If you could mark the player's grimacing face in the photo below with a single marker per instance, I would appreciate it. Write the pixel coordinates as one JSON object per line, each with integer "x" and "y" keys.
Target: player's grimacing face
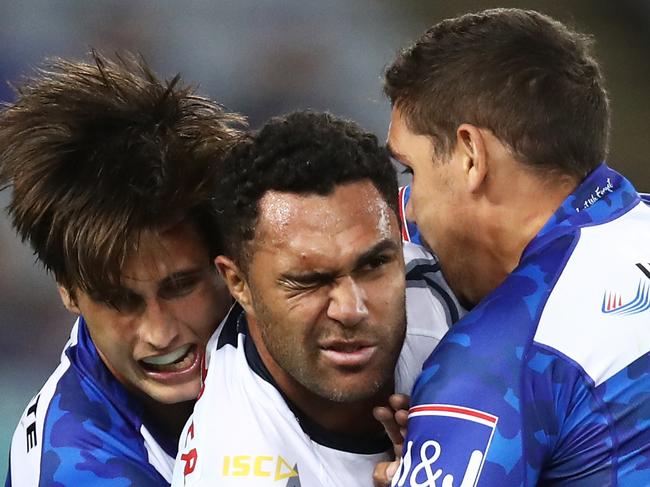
{"x": 170, "y": 302}
{"x": 327, "y": 286}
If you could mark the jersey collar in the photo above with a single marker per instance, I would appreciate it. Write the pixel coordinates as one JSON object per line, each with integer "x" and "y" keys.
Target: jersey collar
{"x": 316, "y": 432}
{"x": 85, "y": 358}
{"x": 602, "y": 196}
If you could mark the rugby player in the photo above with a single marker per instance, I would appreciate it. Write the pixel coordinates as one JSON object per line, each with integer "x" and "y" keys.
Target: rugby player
{"x": 504, "y": 121}
{"x": 319, "y": 335}
{"x": 112, "y": 171}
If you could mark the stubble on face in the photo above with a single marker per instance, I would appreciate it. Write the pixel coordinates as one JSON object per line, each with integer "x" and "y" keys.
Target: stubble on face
{"x": 299, "y": 354}
{"x": 303, "y": 366}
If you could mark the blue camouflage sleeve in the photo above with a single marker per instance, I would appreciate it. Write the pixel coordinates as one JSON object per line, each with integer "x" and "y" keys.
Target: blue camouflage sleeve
{"x": 94, "y": 445}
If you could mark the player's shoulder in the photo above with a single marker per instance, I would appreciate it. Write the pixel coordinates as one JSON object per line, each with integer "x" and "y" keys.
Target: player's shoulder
{"x": 232, "y": 370}
{"x": 486, "y": 348}
{"x": 224, "y": 352}
{"x": 415, "y": 253}
{"x": 225, "y": 408}
{"x": 227, "y": 333}
{"x": 241, "y": 427}
{"x": 578, "y": 310}
{"x": 73, "y": 432}
{"x": 582, "y": 283}
{"x": 428, "y": 294}
{"x": 598, "y": 311}
{"x": 35, "y": 425}
{"x": 431, "y": 309}
{"x": 89, "y": 439}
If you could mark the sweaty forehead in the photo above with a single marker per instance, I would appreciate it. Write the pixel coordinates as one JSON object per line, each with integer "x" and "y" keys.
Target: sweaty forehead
{"x": 352, "y": 209}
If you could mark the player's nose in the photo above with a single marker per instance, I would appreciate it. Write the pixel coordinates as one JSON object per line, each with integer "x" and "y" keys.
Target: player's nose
{"x": 158, "y": 326}
{"x": 347, "y": 302}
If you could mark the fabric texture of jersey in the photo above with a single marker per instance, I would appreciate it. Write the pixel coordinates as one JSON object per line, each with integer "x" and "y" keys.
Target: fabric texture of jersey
{"x": 244, "y": 432}
{"x": 83, "y": 428}
{"x": 547, "y": 380}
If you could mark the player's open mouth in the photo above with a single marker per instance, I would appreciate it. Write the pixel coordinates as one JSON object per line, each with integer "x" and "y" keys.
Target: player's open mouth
{"x": 176, "y": 361}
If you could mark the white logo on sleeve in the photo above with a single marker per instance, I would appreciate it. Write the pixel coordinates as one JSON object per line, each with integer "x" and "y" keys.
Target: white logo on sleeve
{"x": 428, "y": 464}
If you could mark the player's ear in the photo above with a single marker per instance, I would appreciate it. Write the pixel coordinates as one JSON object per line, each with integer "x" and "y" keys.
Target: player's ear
{"x": 471, "y": 146}
{"x": 68, "y": 300}
{"x": 235, "y": 280}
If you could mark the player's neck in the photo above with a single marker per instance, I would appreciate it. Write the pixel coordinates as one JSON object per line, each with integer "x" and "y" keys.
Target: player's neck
{"x": 168, "y": 418}
{"x": 346, "y": 418}
{"x": 504, "y": 228}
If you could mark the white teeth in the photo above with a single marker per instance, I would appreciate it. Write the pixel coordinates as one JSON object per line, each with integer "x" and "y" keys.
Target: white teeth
{"x": 169, "y": 358}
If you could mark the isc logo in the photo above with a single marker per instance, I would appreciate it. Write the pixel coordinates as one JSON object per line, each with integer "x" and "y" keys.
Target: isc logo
{"x": 258, "y": 466}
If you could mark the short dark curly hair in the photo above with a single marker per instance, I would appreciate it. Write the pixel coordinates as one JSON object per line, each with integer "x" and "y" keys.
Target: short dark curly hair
{"x": 304, "y": 153}
{"x": 97, "y": 153}
{"x": 528, "y": 78}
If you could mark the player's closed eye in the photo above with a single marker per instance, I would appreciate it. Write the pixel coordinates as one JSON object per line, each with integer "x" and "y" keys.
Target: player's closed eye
{"x": 307, "y": 282}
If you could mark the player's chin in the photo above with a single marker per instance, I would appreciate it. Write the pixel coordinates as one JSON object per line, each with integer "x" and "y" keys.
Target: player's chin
{"x": 174, "y": 389}
{"x": 172, "y": 394}
{"x": 349, "y": 389}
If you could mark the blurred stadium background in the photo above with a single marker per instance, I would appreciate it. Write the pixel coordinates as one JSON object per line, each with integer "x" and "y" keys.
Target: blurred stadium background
{"x": 264, "y": 57}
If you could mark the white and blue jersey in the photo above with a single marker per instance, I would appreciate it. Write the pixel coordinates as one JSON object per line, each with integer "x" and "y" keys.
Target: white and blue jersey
{"x": 547, "y": 380}
{"x": 245, "y": 432}
{"x": 84, "y": 428}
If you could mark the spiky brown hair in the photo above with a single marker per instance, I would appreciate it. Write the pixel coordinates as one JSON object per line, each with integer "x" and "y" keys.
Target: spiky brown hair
{"x": 97, "y": 153}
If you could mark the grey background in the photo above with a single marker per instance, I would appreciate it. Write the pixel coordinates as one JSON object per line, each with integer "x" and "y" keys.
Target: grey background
{"x": 264, "y": 57}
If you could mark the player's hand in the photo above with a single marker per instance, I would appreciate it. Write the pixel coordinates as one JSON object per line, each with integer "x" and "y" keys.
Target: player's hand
{"x": 394, "y": 418}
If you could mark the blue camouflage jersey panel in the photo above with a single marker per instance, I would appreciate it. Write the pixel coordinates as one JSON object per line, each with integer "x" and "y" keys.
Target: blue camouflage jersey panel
{"x": 92, "y": 431}
{"x": 494, "y": 406}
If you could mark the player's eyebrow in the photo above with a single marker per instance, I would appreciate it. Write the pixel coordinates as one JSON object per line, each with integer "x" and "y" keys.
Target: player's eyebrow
{"x": 323, "y": 277}
{"x": 401, "y": 158}
{"x": 380, "y": 247}
{"x": 183, "y": 274}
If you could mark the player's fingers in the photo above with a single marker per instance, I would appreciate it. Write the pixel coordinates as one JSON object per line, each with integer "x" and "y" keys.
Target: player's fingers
{"x": 383, "y": 473}
{"x": 400, "y": 405}
{"x": 401, "y": 418}
{"x": 399, "y": 401}
{"x": 386, "y": 417}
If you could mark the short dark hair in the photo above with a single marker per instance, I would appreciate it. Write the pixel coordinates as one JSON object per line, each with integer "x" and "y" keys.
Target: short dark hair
{"x": 526, "y": 77}
{"x": 303, "y": 153}
{"x": 97, "y": 153}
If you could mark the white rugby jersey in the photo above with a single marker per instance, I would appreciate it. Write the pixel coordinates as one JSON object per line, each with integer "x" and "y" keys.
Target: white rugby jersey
{"x": 244, "y": 432}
